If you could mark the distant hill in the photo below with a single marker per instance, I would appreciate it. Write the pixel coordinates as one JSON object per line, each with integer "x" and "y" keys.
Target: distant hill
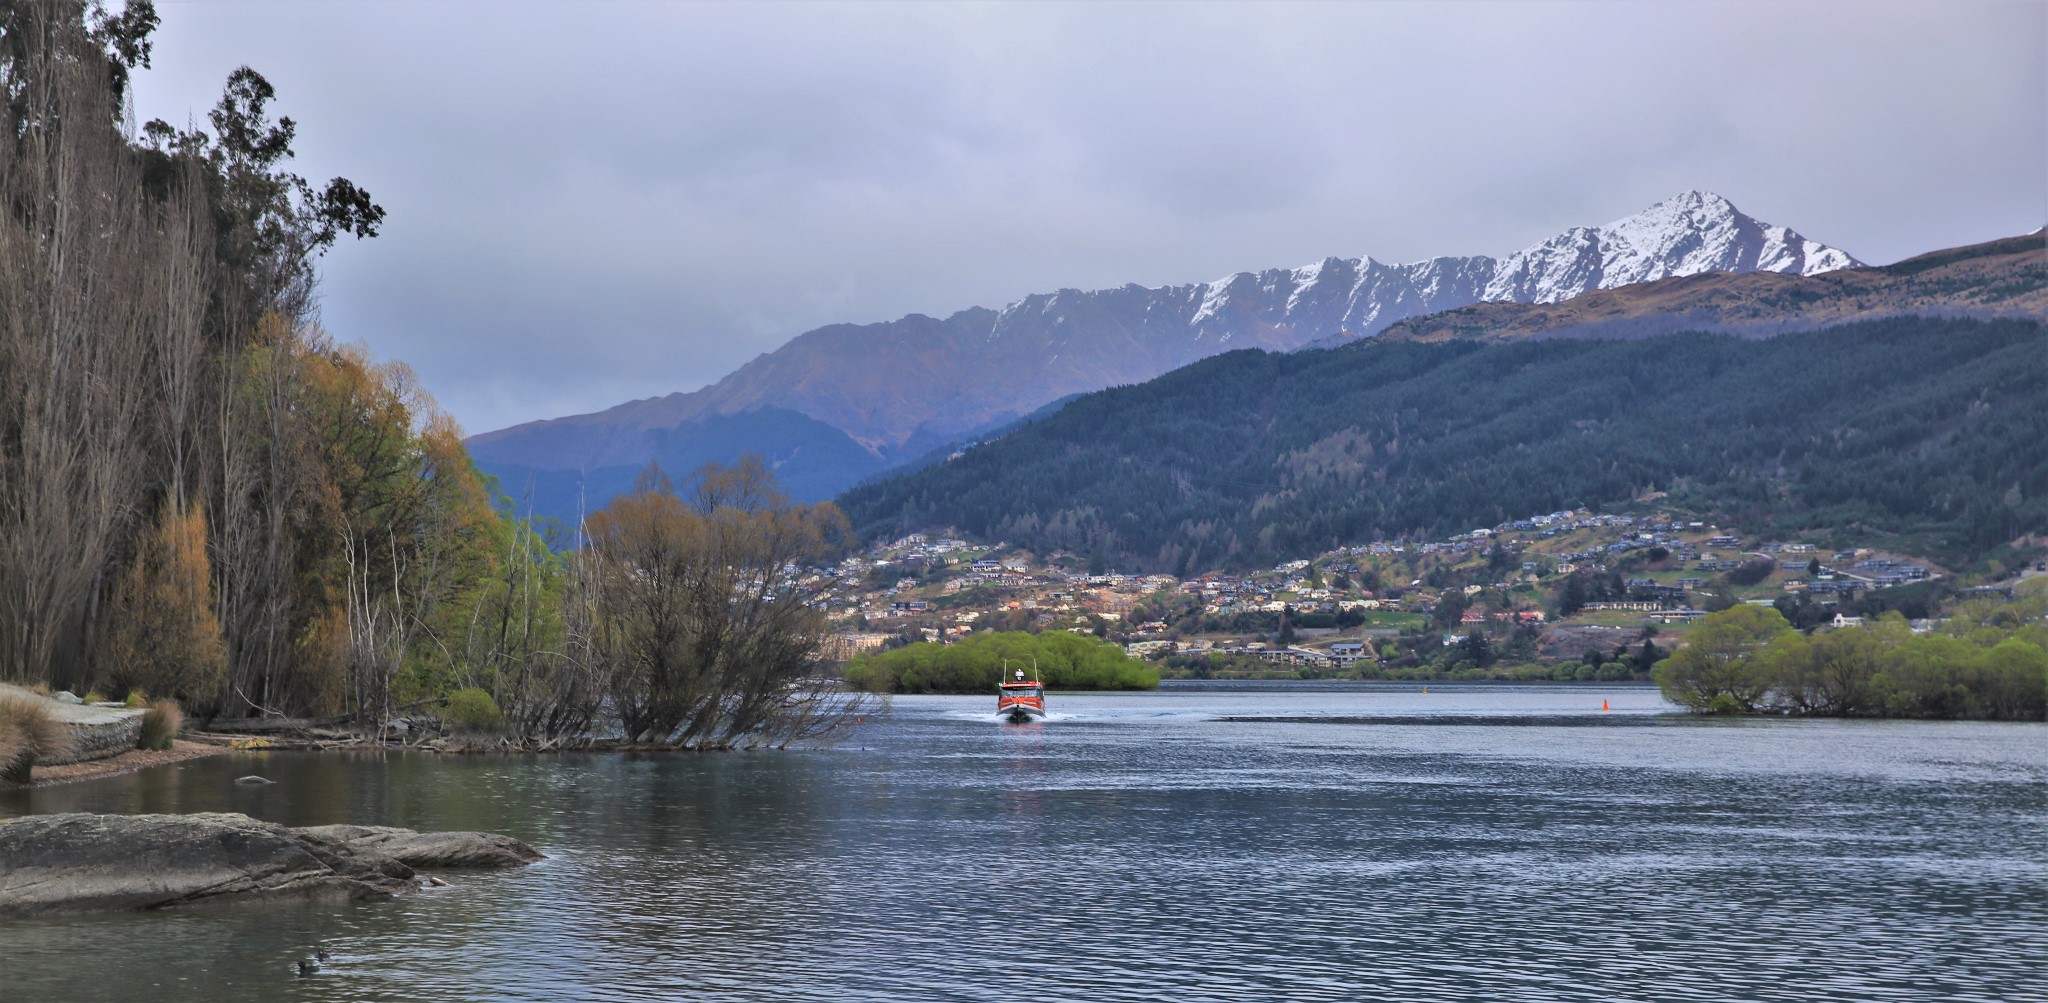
{"x": 899, "y": 389}
{"x": 1930, "y": 428}
{"x": 812, "y": 460}
{"x": 2001, "y": 278}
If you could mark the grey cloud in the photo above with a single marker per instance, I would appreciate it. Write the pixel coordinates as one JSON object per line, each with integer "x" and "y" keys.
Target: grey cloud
{"x": 594, "y": 202}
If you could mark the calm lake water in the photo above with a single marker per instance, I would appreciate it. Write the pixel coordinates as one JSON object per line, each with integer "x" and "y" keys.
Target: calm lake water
{"x": 1241, "y": 842}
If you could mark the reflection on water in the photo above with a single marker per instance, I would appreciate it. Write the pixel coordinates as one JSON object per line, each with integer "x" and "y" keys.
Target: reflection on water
{"x": 1219, "y": 843}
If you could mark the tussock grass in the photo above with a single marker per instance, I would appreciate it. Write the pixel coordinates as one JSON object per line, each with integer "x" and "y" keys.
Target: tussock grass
{"x": 29, "y": 731}
{"x": 160, "y": 724}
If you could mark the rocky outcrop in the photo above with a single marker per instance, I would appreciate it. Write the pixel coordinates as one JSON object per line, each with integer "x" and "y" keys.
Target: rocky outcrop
{"x": 427, "y": 850}
{"x": 82, "y": 862}
{"x": 112, "y": 732}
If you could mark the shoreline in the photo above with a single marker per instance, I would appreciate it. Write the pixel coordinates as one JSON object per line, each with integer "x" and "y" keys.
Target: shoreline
{"x": 124, "y": 763}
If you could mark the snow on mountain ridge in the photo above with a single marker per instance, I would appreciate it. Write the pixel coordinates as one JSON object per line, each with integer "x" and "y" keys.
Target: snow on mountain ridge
{"x": 1687, "y": 234}
{"x": 918, "y": 380}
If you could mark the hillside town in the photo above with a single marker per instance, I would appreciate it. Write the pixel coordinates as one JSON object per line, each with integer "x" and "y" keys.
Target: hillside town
{"x": 1542, "y": 589}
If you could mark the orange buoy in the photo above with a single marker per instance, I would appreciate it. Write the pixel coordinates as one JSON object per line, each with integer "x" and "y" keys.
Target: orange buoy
{"x": 1603, "y": 706}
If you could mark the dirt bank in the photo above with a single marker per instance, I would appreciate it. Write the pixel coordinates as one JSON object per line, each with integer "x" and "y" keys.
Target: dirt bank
{"x": 126, "y": 762}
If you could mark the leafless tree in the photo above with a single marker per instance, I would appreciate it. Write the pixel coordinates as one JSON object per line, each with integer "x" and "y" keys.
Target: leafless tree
{"x": 81, "y": 245}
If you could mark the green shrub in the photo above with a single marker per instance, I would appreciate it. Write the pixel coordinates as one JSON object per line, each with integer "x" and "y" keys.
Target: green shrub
{"x": 29, "y": 731}
{"x": 160, "y": 724}
{"x": 471, "y": 709}
{"x": 137, "y": 700}
{"x": 976, "y": 663}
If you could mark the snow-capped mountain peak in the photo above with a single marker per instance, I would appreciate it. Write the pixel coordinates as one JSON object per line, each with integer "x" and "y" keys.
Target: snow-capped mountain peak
{"x": 895, "y": 388}
{"x": 1686, "y": 234}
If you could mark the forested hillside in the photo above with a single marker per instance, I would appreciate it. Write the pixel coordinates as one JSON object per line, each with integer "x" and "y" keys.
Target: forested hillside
{"x": 1935, "y": 429}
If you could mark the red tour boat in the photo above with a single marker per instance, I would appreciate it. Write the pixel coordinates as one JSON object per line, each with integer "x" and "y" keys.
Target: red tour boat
{"x": 1020, "y": 702}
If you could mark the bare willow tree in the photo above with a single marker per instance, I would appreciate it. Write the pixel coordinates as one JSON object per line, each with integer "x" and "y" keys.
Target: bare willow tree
{"x": 90, "y": 266}
{"x": 698, "y": 611}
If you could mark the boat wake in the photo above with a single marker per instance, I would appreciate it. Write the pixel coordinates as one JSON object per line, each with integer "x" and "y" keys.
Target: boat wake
{"x": 1056, "y": 717}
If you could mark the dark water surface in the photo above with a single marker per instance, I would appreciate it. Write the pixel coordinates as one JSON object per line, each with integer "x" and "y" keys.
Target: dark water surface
{"x": 1239, "y": 843}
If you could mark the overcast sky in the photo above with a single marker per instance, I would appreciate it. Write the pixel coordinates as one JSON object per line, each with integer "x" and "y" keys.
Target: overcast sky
{"x": 593, "y": 202}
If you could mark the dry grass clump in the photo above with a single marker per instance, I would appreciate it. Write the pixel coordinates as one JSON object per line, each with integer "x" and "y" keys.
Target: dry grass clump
{"x": 12, "y": 745}
{"x": 160, "y": 724}
{"x": 28, "y": 731}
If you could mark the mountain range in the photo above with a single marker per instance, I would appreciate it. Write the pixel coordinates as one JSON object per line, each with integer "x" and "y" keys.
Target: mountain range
{"x": 1907, "y": 400}
{"x": 845, "y": 402}
{"x": 1999, "y": 278}
{"x": 1927, "y": 433}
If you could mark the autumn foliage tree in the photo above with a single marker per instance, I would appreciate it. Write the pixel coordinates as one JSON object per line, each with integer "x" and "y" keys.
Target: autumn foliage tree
{"x": 699, "y": 614}
{"x": 161, "y": 635}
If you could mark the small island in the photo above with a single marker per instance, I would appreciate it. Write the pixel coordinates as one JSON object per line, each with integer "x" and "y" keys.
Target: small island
{"x": 975, "y": 664}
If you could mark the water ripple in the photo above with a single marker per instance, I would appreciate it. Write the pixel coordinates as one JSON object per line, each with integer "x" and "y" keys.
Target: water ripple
{"x": 1149, "y": 848}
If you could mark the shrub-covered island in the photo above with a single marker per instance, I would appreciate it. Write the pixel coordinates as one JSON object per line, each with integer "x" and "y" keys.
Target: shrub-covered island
{"x": 1062, "y": 660}
{"x": 1990, "y": 660}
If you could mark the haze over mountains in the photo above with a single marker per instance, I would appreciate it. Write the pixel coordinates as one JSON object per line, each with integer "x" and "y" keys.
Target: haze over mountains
{"x": 843, "y": 402}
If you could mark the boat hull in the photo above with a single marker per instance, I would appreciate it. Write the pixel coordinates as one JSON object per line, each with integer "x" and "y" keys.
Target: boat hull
{"x": 1020, "y": 702}
{"x": 1021, "y": 713}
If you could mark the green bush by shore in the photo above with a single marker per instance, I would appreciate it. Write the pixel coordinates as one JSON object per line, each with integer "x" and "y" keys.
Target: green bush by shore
{"x": 1063, "y": 661}
{"x": 1989, "y": 661}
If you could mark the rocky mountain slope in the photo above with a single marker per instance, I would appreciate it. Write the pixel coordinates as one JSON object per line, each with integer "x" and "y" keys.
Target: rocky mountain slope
{"x": 870, "y": 396}
{"x": 2000, "y": 278}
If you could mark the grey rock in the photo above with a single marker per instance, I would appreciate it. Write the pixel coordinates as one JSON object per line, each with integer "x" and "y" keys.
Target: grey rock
{"x": 82, "y": 862}
{"x": 252, "y": 779}
{"x": 66, "y": 696}
{"x": 429, "y": 849}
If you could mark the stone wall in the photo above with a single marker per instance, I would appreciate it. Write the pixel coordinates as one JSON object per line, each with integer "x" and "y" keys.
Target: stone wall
{"x": 113, "y": 734}
{"x": 97, "y": 730}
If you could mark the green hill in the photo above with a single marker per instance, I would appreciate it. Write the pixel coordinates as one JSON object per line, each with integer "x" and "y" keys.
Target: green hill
{"x": 1932, "y": 429}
